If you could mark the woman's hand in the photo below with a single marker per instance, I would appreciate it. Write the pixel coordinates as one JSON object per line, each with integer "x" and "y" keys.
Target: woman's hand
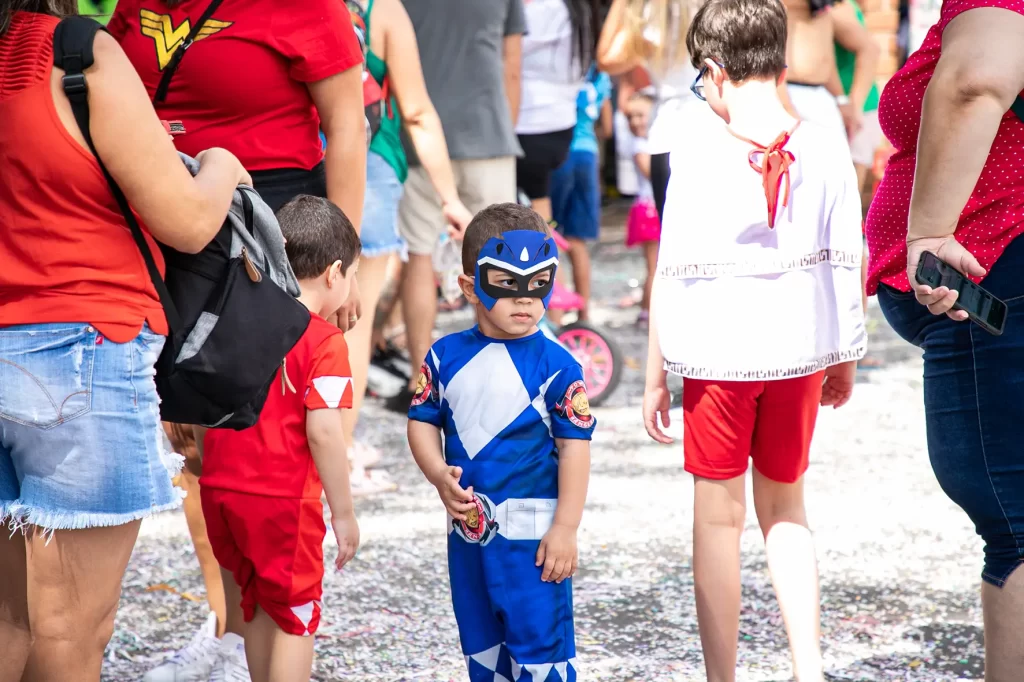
{"x": 458, "y": 217}
{"x": 351, "y": 310}
{"x": 228, "y": 158}
{"x": 950, "y": 251}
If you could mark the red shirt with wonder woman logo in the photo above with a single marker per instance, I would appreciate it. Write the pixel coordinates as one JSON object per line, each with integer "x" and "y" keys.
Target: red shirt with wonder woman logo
{"x": 242, "y": 85}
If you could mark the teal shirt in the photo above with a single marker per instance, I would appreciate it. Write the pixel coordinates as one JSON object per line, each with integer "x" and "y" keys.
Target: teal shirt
{"x": 388, "y": 141}
{"x": 846, "y": 62}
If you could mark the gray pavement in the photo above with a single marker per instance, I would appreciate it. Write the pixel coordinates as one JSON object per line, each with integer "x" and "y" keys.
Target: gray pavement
{"x": 899, "y": 563}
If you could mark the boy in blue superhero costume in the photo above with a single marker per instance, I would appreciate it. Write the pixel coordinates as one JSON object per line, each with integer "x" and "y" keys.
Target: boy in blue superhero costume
{"x": 515, "y": 463}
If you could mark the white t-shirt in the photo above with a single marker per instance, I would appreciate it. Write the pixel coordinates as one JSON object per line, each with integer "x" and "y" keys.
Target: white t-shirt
{"x": 738, "y": 301}
{"x": 643, "y": 189}
{"x": 552, "y": 75}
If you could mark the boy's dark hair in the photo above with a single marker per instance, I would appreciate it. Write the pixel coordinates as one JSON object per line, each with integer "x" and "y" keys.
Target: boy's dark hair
{"x": 494, "y": 221}
{"x": 747, "y": 37}
{"x": 318, "y": 234}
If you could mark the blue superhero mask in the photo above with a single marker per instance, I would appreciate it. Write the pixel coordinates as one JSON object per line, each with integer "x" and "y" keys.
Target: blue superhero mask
{"x": 520, "y": 255}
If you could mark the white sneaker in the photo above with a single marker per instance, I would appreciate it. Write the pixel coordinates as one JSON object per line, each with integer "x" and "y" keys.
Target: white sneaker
{"x": 230, "y": 664}
{"x": 194, "y": 662}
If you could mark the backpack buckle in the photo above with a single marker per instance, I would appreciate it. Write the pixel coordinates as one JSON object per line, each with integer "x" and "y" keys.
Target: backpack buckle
{"x": 75, "y": 86}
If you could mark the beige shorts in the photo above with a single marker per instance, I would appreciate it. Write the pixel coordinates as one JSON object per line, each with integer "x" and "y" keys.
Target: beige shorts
{"x": 481, "y": 182}
{"x": 866, "y": 142}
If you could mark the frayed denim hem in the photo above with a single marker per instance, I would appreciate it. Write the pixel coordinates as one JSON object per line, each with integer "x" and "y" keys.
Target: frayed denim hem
{"x": 22, "y": 518}
{"x": 377, "y": 251}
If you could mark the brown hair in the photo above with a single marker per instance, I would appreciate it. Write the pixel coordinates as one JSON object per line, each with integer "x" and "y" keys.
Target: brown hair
{"x": 55, "y": 8}
{"x": 494, "y": 221}
{"x": 318, "y": 234}
{"x": 747, "y": 37}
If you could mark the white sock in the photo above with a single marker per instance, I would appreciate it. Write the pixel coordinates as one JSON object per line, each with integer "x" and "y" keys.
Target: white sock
{"x": 232, "y": 641}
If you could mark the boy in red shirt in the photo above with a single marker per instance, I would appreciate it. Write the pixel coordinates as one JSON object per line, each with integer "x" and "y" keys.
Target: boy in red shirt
{"x": 261, "y": 487}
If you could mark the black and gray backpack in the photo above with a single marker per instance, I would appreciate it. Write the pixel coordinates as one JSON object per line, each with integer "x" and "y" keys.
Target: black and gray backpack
{"x": 231, "y": 308}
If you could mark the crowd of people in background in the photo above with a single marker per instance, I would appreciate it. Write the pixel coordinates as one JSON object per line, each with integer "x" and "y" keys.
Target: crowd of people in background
{"x": 549, "y": 103}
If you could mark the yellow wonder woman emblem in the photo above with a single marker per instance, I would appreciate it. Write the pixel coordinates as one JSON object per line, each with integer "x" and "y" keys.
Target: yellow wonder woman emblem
{"x": 169, "y": 37}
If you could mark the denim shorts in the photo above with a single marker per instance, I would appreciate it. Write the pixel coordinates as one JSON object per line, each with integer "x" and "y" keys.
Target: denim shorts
{"x": 81, "y": 444}
{"x": 973, "y": 397}
{"x": 380, "y": 208}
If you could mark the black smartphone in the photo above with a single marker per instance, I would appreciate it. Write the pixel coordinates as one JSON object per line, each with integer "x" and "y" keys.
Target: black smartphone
{"x": 984, "y": 309}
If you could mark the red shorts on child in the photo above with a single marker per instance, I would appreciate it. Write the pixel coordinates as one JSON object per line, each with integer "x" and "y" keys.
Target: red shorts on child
{"x": 726, "y": 423}
{"x": 274, "y": 548}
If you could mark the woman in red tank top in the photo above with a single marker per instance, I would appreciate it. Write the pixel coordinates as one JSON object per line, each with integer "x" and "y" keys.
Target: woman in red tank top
{"x": 82, "y": 460}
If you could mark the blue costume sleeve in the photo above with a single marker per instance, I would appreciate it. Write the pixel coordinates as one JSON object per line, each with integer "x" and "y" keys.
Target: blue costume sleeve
{"x": 568, "y": 405}
{"x": 426, "y": 403}
{"x": 603, "y": 85}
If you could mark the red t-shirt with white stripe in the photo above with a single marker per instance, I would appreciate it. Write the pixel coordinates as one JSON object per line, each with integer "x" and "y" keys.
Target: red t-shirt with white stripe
{"x": 272, "y": 457}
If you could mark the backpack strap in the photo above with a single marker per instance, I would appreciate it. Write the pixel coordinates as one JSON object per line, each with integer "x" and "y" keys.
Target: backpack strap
{"x": 1018, "y": 107}
{"x": 179, "y": 54}
{"x": 72, "y": 52}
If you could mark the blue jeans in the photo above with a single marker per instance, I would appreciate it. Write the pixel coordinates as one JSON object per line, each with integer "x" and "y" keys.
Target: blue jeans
{"x": 81, "y": 444}
{"x": 974, "y": 409}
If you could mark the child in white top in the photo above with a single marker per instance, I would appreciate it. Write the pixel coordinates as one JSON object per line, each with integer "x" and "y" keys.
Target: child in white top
{"x": 643, "y": 228}
{"x": 757, "y": 304}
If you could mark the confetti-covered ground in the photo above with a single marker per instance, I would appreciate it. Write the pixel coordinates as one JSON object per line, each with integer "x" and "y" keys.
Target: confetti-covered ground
{"x": 899, "y": 563}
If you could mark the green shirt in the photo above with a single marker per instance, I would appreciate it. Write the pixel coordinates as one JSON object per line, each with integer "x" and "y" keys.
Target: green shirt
{"x": 388, "y": 141}
{"x": 100, "y": 10}
{"x": 846, "y": 61}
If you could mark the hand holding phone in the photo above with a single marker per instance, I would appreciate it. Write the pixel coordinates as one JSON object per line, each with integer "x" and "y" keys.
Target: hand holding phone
{"x": 982, "y": 308}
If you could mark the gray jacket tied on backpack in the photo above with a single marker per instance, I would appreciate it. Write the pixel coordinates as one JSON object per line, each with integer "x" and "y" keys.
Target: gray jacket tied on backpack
{"x": 265, "y": 245}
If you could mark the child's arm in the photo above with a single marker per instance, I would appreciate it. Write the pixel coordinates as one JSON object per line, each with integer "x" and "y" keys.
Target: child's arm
{"x": 326, "y": 437}
{"x": 425, "y": 443}
{"x": 558, "y": 552}
{"x": 656, "y": 396}
{"x": 606, "y": 121}
{"x": 424, "y": 432}
{"x": 643, "y": 164}
{"x": 199, "y": 432}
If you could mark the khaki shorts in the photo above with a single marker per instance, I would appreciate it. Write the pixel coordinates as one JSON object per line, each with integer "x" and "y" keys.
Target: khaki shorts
{"x": 867, "y": 140}
{"x": 481, "y": 182}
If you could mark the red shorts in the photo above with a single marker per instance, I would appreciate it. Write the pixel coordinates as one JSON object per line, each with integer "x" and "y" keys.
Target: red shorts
{"x": 725, "y": 423}
{"x": 274, "y": 548}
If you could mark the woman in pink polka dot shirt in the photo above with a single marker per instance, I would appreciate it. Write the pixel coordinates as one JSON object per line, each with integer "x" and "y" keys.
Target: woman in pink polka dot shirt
{"x": 955, "y": 187}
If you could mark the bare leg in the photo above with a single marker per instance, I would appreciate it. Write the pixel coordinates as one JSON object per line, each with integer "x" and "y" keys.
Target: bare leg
{"x": 370, "y": 276}
{"x": 204, "y": 551}
{"x": 1004, "y": 620}
{"x": 15, "y": 638}
{"x": 794, "y": 570}
{"x": 419, "y": 307}
{"x": 276, "y": 656}
{"x": 74, "y": 584}
{"x": 183, "y": 442}
{"x": 718, "y": 517}
{"x": 542, "y": 207}
{"x": 579, "y": 256}
{"x": 651, "y": 259}
{"x": 235, "y": 621}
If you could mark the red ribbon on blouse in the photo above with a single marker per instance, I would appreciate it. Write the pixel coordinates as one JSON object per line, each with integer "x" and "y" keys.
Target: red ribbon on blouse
{"x": 774, "y": 168}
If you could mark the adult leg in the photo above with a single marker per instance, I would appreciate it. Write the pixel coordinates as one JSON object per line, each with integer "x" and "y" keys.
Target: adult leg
{"x": 74, "y": 584}
{"x": 719, "y": 512}
{"x": 371, "y": 280}
{"x": 15, "y": 637}
{"x": 421, "y": 222}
